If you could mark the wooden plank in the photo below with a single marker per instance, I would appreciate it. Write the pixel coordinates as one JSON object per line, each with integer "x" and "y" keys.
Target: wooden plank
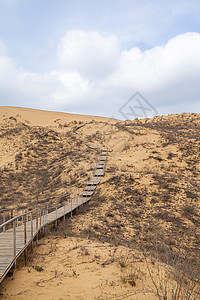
{"x": 90, "y": 188}
{"x": 87, "y": 193}
{"x": 94, "y": 181}
{"x": 99, "y": 173}
{"x": 102, "y": 158}
{"x": 14, "y": 240}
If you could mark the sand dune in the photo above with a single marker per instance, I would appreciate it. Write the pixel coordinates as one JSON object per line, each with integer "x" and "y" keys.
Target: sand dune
{"x": 37, "y": 117}
{"x": 148, "y": 202}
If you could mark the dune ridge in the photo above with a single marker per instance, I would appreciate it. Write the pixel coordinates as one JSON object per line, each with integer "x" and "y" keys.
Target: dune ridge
{"x": 146, "y": 209}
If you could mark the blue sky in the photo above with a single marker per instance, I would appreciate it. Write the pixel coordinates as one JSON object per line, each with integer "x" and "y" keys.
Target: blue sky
{"x": 91, "y": 56}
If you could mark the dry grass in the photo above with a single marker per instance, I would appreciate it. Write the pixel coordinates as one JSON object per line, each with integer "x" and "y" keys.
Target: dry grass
{"x": 148, "y": 200}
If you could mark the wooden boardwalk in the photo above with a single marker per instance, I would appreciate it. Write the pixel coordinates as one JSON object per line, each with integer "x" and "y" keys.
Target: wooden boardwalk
{"x": 20, "y": 231}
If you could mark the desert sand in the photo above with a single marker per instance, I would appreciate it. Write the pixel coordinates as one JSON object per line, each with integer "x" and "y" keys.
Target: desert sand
{"x": 147, "y": 205}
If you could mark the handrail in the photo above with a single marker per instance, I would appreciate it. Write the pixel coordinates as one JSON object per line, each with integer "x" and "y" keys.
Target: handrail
{"x": 12, "y": 209}
{"x": 15, "y": 218}
{"x": 32, "y": 223}
{"x": 46, "y": 202}
{"x": 39, "y": 206}
{"x": 35, "y": 207}
{"x": 6, "y": 209}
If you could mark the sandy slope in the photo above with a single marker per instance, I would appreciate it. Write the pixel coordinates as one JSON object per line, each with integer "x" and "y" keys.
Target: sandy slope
{"x": 40, "y": 154}
{"x": 148, "y": 201}
{"x": 75, "y": 268}
{"x": 44, "y": 118}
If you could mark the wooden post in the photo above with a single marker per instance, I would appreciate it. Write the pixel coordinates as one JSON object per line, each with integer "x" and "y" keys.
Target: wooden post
{"x": 17, "y": 216}
{"x": 37, "y": 225}
{"x": 4, "y": 219}
{"x": 56, "y": 215}
{"x": 40, "y": 219}
{"x": 43, "y": 220}
{"x": 64, "y": 211}
{"x": 11, "y": 214}
{"x": 47, "y": 211}
{"x": 71, "y": 207}
{"x": 27, "y": 215}
{"x": 25, "y": 250}
{"x": 14, "y": 241}
{"x": 22, "y": 217}
{"x": 32, "y": 230}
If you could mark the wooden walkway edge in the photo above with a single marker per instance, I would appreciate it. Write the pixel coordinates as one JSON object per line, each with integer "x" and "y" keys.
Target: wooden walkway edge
{"x": 18, "y": 232}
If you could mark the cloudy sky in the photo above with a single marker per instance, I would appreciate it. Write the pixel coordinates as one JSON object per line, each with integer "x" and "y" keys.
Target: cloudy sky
{"x": 91, "y": 57}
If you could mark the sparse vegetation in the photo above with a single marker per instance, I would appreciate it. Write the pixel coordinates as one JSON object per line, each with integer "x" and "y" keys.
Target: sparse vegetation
{"x": 147, "y": 202}
{"x": 37, "y": 268}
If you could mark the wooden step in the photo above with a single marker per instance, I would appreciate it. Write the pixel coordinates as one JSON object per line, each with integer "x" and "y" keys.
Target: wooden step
{"x": 99, "y": 173}
{"x": 102, "y": 158}
{"x": 103, "y": 152}
{"x": 87, "y": 193}
{"x": 94, "y": 181}
{"x": 6, "y": 237}
{"x": 90, "y": 188}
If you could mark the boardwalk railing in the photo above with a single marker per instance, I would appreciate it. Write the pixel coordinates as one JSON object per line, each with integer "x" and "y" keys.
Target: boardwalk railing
{"x": 20, "y": 230}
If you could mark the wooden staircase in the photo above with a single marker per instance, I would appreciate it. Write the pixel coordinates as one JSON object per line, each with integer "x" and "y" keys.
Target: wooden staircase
{"x": 21, "y": 230}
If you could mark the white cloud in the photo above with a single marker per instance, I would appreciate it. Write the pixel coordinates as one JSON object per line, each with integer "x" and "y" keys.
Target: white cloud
{"x": 91, "y": 54}
{"x": 7, "y": 76}
{"x": 166, "y": 75}
{"x": 161, "y": 66}
{"x": 95, "y": 76}
{"x": 52, "y": 90}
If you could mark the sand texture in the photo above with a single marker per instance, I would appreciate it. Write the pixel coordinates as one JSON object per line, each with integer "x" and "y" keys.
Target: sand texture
{"x": 142, "y": 223}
